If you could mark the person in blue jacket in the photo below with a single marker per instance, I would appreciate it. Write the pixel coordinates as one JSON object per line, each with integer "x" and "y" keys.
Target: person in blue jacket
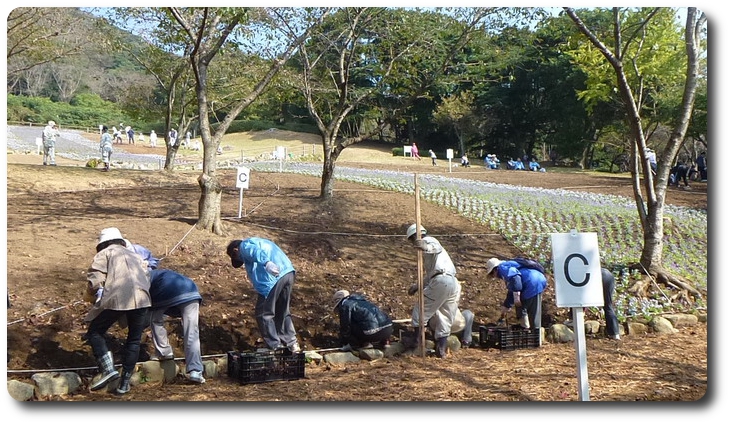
{"x": 534, "y": 165}
{"x": 145, "y": 253}
{"x": 519, "y": 165}
{"x": 524, "y": 290}
{"x": 362, "y": 323}
{"x": 176, "y": 295}
{"x": 272, "y": 276}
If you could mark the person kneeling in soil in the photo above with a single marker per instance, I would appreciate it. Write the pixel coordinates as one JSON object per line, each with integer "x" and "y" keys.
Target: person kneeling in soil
{"x": 361, "y": 322}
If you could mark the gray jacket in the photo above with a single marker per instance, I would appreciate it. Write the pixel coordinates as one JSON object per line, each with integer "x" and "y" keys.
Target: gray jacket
{"x": 124, "y": 276}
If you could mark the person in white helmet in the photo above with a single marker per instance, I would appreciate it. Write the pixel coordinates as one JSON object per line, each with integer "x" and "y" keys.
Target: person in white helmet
{"x": 441, "y": 292}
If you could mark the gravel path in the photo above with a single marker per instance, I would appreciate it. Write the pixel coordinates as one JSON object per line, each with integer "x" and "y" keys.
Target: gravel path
{"x": 71, "y": 145}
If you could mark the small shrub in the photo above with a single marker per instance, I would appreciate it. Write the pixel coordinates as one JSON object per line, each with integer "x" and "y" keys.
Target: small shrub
{"x": 93, "y": 163}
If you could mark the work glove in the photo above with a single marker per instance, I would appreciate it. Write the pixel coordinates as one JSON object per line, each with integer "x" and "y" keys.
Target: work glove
{"x": 89, "y": 297}
{"x": 346, "y": 348}
{"x": 272, "y": 269}
{"x": 413, "y": 289}
{"x": 421, "y": 244}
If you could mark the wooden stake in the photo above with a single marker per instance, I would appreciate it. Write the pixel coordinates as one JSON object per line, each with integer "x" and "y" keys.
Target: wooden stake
{"x": 421, "y": 307}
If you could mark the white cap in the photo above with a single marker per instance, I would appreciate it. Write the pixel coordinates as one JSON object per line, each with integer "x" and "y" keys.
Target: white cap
{"x": 51, "y": 124}
{"x": 337, "y": 298}
{"x": 492, "y": 263}
{"x": 111, "y": 233}
{"x": 412, "y": 230}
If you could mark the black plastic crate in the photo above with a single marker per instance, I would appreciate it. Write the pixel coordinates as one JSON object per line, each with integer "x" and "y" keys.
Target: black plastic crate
{"x": 260, "y": 367}
{"x": 508, "y": 338}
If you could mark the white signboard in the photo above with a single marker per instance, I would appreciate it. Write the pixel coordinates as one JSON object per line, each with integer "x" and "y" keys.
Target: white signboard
{"x": 577, "y": 270}
{"x": 449, "y": 153}
{"x": 407, "y": 151}
{"x": 242, "y": 177}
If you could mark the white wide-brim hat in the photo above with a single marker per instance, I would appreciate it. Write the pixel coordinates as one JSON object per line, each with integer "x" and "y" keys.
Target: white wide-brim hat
{"x": 110, "y": 233}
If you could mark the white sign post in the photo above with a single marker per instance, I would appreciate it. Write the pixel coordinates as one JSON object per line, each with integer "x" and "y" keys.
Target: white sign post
{"x": 577, "y": 272}
{"x": 281, "y": 155}
{"x": 449, "y": 156}
{"x": 242, "y": 178}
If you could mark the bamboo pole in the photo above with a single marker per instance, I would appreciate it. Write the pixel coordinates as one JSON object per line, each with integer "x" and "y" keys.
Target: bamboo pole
{"x": 421, "y": 324}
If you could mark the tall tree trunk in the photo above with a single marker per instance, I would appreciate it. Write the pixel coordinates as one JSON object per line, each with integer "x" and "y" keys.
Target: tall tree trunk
{"x": 331, "y": 153}
{"x": 209, "y": 204}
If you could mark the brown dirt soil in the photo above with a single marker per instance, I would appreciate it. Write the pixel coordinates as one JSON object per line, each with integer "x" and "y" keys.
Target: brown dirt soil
{"x": 354, "y": 242}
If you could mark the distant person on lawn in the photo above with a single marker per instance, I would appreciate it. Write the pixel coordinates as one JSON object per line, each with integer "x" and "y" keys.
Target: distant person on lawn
{"x": 106, "y": 146}
{"x": 414, "y": 152}
{"x": 50, "y": 133}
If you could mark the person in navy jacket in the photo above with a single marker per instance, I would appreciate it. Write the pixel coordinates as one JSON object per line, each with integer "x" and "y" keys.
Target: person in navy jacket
{"x": 272, "y": 275}
{"x": 361, "y": 322}
{"x": 176, "y": 295}
{"x": 524, "y": 290}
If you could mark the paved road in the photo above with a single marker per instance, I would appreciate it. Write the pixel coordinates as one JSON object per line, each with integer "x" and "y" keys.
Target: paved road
{"x": 71, "y": 145}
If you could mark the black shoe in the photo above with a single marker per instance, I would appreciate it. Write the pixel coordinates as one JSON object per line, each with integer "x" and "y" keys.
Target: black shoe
{"x": 442, "y": 347}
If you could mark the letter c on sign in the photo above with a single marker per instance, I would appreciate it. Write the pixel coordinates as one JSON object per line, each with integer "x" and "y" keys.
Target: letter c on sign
{"x": 567, "y": 274}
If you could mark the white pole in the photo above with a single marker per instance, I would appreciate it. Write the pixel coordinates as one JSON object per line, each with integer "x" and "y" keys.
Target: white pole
{"x": 580, "y": 353}
{"x": 240, "y": 203}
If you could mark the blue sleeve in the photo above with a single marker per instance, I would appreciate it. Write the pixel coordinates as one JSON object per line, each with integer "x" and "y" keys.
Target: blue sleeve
{"x": 251, "y": 251}
{"x": 145, "y": 253}
{"x": 514, "y": 283}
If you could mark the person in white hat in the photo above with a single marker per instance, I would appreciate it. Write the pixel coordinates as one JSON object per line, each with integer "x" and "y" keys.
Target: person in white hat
{"x": 525, "y": 284}
{"x": 362, "y": 323}
{"x": 119, "y": 279}
{"x": 441, "y": 289}
{"x": 50, "y": 132}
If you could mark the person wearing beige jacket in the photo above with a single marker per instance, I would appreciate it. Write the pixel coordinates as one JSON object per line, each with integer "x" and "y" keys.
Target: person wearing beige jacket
{"x": 118, "y": 285}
